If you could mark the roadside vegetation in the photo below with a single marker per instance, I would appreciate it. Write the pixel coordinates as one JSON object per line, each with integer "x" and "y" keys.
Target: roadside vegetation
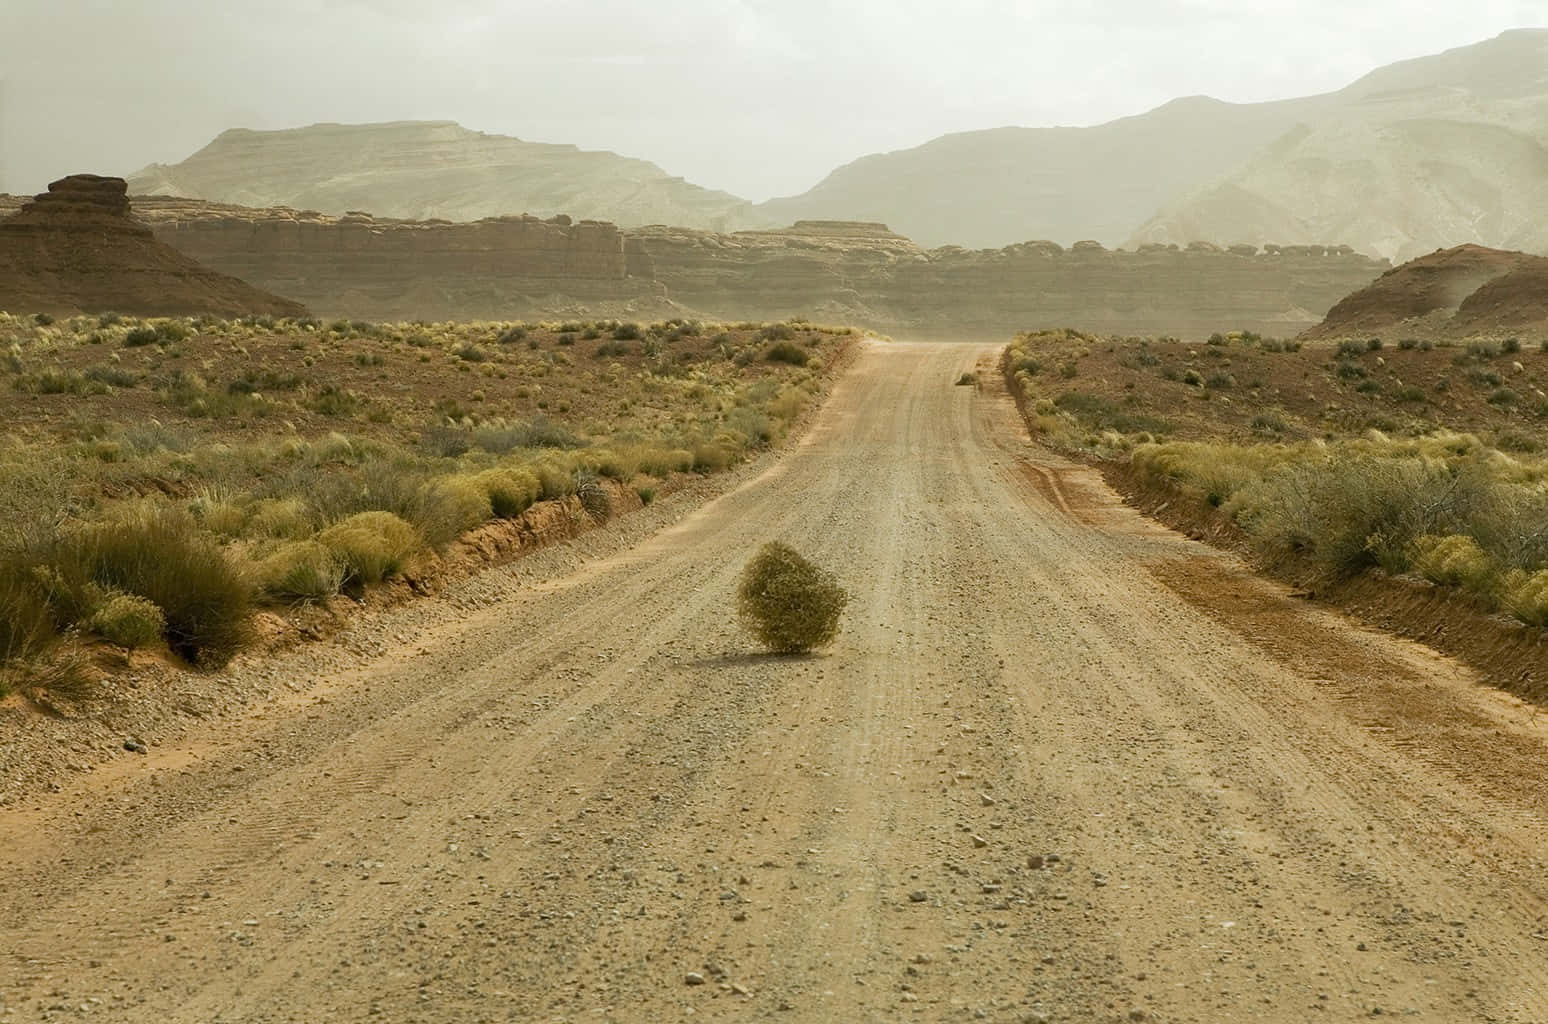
{"x": 161, "y": 481}
{"x": 1414, "y": 459}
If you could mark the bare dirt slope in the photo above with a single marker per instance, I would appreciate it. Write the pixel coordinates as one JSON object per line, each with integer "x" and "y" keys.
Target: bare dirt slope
{"x": 558, "y": 805}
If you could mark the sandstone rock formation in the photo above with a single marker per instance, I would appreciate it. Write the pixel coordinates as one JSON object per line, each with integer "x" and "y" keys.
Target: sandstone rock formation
{"x": 834, "y": 271}
{"x": 385, "y": 269}
{"x": 863, "y": 273}
{"x": 434, "y": 169}
{"x": 1465, "y": 290}
{"x": 76, "y": 248}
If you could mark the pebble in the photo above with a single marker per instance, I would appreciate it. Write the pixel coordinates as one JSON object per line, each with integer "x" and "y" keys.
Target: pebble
{"x": 693, "y": 978}
{"x": 918, "y": 896}
{"x": 134, "y": 746}
{"x": 1035, "y": 861}
{"x": 987, "y": 800}
{"x": 979, "y": 842}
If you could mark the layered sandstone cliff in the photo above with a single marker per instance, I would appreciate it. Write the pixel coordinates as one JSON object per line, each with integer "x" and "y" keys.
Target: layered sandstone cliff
{"x": 381, "y": 268}
{"x": 834, "y": 271}
{"x": 76, "y": 248}
{"x": 864, "y": 273}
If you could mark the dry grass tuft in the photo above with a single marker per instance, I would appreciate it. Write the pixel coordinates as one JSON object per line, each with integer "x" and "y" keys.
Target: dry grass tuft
{"x": 788, "y": 603}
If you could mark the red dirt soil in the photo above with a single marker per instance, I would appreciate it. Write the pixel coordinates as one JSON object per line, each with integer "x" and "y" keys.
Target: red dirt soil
{"x": 1466, "y": 289}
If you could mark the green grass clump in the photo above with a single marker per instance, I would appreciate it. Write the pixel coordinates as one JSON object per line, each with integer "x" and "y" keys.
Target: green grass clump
{"x": 128, "y": 621}
{"x": 788, "y": 603}
{"x": 786, "y": 352}
{"x": 372, "y": 545}
{"x": 301, "y": 571}
{"x": 1454, "y": 560}
{"x": 510, "y": 491}
{"x": 161, "y": 555}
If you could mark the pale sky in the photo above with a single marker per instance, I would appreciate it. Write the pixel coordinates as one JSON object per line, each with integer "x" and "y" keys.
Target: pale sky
{"x": 757, "y": 97}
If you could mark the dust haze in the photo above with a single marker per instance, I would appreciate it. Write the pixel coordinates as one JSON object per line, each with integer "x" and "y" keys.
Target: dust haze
{"x": 757, "y": 98}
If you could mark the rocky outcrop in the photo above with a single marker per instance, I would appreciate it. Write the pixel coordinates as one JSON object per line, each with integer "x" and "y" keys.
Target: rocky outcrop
{"x": 76, "y": 248}
{"x": 1467, "y": 289}
{"x": 385, "y": 269}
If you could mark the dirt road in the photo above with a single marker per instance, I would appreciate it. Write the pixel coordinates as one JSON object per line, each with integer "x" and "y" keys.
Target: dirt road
{"x": 1060, "y": 765}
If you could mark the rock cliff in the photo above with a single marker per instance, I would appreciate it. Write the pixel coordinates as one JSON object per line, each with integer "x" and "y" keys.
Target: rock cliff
{"x": 380, "y": 268}
{"x": 76, "y": 248}
{"x": 834, "y": 271}
{"x": 866, "y": 274}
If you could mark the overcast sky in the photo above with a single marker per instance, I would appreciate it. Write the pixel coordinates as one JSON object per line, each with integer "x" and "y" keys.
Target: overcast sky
{"x": 757, "y": 97}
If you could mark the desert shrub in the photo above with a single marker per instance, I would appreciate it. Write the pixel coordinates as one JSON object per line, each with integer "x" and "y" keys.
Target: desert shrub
{"x": 1352, "y": 511}
{"x": 711, "y": 457}
{"x": 512, "y": 334}
{"x": 284, "y": 518}
{"x": 1503, "y": 396}
{"x": 332, "y": 400}
{"x": 127, "y": 621}
{"x": 112, "y": 376}
{"x": 777, "y": 332}
{"x": 555, "y": 479}
{"x": 1409, "y": 393}
{"x": 1269, "y": 423}
{"x": 628, "y": 332}
{"x": 1455, "y": 560}
{"x": 139, "y": 337}
{"x": 160, "y": 554}
{"x": 542, "y": 432}
{"x": 254, "y": 381}
{"x": 459, "y": 503}
{"x": 1525, "y": 595}
{"x": 510, "y": 491}
{"x": 594, "y": 499}
{"x": 28, "y": 630}
{"x": 219, "y": 514}
{"x": 1350, "y": 348}
{"x": 788, "y": 603}
{"x": 967, "y": 379}
{"x": 1510, "y": 346}
{"x": 1408, "y": 344}
{"x": 301, "y": 571}
{"x": 786, "y": 352}
{"x": 372, "y": 546}
{"x": 613, "y": 349}
{"x": 470, "y": 353}
{"x": 751, "y": 424}
{"x": 446, "y": 442}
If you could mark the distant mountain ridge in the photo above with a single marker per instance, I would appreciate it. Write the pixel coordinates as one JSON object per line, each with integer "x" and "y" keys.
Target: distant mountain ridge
{"x": 425, "y": 170}
{"x": 1423, "y": 154}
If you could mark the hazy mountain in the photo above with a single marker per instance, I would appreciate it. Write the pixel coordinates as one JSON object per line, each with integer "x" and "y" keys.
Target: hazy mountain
{"x": 1425, "y": 153}
{"x": 435, "y": 169}
{"x": 1413, "y": 157}
{"x": 987, "y": 189}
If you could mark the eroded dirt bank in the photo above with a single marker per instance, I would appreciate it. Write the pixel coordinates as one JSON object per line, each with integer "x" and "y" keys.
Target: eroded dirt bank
{"x": 1062, "y": 764}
